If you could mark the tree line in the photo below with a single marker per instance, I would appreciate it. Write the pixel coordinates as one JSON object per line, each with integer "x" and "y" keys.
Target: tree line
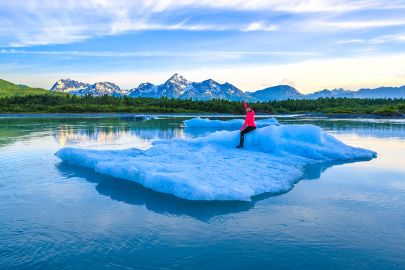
{"x": 47, "y": 103}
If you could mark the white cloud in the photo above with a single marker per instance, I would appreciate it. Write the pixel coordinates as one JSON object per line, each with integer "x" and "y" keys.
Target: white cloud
{"x": 344, "y": 25}
{"x": 398, "y": 38}
{"x": 38, "y": 22}
{"x": 184, "y": 25}
{"x": 350, "y": 41}
{"x": 388, "y": 38}
{"x": 29, "y": 23}
{"x": 260, "y": 26}
{"x": 297, "y": 6}
{"x": 62, "y": 35}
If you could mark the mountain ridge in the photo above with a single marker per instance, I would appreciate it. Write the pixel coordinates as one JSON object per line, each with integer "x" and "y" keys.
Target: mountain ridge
{"x": 178, "y": 86}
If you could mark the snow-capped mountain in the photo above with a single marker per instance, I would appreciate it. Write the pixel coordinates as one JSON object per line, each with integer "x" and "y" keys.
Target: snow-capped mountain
{"x": 144, "y": 90}
{"x": 210, "y": 89}
{"x": 179, "y": 87}
{"x": 175, "y": 87}
{"x": 279, "y": 92}
{"x": 82, "y": 89}
{"x": 68, "y": 85}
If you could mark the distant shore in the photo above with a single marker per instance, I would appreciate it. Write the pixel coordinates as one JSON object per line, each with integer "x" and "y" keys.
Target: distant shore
{"x": 216, "y": 115}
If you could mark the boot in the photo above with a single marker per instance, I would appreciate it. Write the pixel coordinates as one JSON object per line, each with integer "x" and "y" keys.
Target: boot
{"x": 241, "y": 141}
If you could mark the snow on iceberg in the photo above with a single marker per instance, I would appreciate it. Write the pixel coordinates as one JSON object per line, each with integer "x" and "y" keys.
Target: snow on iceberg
{"x": 234, "y": 124}
{"x": 211, "y": 168}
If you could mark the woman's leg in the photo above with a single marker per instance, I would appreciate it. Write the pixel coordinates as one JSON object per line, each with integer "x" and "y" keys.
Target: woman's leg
{"x": 242, "y": 137}
{"x": 242, "y": 134}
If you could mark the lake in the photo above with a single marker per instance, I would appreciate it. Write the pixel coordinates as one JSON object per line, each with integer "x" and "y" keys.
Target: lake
{"x": 60, "y": 216}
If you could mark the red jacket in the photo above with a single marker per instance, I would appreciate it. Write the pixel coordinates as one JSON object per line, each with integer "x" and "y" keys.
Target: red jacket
{"x": 250, "y": 118}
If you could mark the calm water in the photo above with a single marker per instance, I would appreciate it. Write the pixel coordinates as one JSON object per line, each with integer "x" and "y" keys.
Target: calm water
{"x": 53, "y": 215}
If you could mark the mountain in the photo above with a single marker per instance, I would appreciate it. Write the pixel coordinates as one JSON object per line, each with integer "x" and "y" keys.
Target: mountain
{"x": 179, "y": 87}
{"x": 279, "y": 92}
{"x": 210, "y": 89}
{"x": 144, "y": 90}
{"x": 387, "y": 92}
{"x": 336, "y": 93}
{"x": 380, "y": 92}
{"x": 82, "y": 89}
{"x": 68, "y": 85}
{"x": 175, "y": 87}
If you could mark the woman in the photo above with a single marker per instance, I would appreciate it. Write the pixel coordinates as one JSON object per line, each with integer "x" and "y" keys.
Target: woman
{"x": 249, "y": 124}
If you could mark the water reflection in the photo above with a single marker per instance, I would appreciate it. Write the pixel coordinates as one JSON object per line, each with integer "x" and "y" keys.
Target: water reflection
{"x": 71, "y": 135}
{"x": 132, "y": 193}
{"x": 124, "y": 133}
{"x": 314, "y": 172}
{"x": 135, "y": 194}
{"x": 131, "y": 131}
{"x": 92, "y": 131}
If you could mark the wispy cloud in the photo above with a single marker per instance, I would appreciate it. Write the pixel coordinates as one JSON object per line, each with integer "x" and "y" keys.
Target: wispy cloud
{"x": 158, "y": 53}
{"x": 297, "y": 6}
{"x": 35, "y": 22}
{"x": 392, "y": 38}
{"x": 260, "y": 26}
{"x": 184, "y": 25}
{"x": 60, "y": 22}
{"x": 359, "y": 24}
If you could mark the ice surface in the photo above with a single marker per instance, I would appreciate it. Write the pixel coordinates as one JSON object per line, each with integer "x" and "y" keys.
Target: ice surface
{"x": 203, "y": 123}
{"x": 211, "y": 168}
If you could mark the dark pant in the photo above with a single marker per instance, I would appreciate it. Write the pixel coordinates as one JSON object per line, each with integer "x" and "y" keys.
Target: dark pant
{"x": 243, "y": 132}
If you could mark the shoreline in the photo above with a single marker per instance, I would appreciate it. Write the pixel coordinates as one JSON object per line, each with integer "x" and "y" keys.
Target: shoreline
{"x": 219, "y": 115}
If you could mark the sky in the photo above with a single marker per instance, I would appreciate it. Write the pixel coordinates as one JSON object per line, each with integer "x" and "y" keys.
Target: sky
{"x": 311, "y": 45}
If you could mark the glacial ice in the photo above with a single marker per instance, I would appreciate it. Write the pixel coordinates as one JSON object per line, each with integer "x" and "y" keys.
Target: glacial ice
{"x": 211, "y": 168}
{"x": 234, "y": 124}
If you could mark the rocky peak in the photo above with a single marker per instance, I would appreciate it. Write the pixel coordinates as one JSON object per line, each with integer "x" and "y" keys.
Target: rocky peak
{"x": 177, "y": 79}
{"x": 66, "y": 85}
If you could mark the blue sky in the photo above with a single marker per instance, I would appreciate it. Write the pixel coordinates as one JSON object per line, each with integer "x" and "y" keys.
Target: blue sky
{"x": 253, "y": 44}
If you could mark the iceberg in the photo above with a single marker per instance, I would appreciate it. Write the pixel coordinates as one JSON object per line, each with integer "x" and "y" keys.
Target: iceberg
{"x": 211, "y": 168}
{"x": 145, "y": 117}
{"x": 234, "y": 124}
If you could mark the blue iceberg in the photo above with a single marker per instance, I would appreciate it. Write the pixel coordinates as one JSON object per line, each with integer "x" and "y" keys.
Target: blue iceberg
{"x": 211, "y": 168}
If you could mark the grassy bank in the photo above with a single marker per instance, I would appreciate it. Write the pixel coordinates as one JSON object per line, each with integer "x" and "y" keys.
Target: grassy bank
{"x": 62, "y": 103}
{"x": 8, "y": 89}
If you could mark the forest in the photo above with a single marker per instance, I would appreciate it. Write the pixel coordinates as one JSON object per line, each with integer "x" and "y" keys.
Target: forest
{"x": 51, "y": 103}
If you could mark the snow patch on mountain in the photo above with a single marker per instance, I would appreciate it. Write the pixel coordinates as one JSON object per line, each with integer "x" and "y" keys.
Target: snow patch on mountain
{"x": 82, "y": 89}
